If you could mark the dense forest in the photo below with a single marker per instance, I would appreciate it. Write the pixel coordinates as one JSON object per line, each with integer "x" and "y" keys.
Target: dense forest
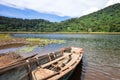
{"x": 105, "y": 20}
{"x": 14, "y": 24}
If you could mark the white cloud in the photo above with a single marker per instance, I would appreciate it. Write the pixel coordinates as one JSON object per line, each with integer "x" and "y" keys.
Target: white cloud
{"x": 111, "y": 2}
{"x": 72, "y": 8}
{"x": 90, "y": 10}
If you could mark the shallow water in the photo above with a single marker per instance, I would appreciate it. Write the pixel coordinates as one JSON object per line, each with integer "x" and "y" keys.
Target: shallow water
{"x": 101, "y": 52}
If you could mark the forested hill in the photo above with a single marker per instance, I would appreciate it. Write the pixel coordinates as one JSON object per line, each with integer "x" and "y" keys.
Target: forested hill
{"x": 105, "y": 20}
{"x": 15, "y": 24}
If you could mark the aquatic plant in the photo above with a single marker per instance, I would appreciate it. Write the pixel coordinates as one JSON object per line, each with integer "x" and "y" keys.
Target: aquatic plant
{"x": 26, "y": 49}
{"x": 43, "y": 42}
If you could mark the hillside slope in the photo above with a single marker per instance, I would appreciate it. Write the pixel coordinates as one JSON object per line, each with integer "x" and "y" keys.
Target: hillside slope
{"x": 105, "y": 20}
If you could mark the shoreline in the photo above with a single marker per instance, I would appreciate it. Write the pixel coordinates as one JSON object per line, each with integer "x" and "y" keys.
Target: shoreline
{"x": 59, "y": 32}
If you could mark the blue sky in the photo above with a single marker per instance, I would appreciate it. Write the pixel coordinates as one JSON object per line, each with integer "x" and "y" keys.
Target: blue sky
{"x": 54, "y": 11}
{"x": 29, "y": 14}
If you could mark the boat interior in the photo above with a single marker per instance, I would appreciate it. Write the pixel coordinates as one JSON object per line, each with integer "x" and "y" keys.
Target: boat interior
{"x": 59, "y": 64}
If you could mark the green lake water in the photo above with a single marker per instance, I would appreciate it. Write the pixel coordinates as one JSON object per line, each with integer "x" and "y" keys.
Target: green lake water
{"x": 101, "y": 52}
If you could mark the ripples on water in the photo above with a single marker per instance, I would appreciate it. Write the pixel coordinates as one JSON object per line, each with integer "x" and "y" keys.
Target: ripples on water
{"x": 101, "y": 52}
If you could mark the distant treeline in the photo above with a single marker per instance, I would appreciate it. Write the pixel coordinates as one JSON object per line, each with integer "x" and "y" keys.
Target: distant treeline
{"x": 105, "y": 20}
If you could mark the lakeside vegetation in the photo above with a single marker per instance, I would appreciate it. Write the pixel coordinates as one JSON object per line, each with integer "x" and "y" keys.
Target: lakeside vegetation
{"x": 6, "y": 39}
{"x": 43, "y": 42}
{"x": 105, "y": 20}
{"x": 31, "y": 43}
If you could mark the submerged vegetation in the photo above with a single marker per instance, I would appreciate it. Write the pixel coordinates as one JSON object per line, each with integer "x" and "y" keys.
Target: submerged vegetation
{"x": 105, "y": 20}
{"x": 26, "y": 49}
{"x": 34, "y": 42}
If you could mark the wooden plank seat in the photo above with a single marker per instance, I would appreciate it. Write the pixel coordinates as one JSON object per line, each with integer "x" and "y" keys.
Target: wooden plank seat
{"x": 71, "y": 62}
{"x": 68, "y": 67}
{"x": 56, "y": 60}
{"x": 42, "y": 74}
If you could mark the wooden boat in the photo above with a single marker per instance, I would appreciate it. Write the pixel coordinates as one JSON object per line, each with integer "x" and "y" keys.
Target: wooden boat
{"x": 53, "y": 66}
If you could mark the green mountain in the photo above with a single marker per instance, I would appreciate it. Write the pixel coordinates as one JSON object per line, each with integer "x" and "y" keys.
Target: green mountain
{"x": 105, "y": 20}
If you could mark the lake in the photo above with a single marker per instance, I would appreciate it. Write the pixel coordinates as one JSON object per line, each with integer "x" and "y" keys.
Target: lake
{"x": 101, "y": 52}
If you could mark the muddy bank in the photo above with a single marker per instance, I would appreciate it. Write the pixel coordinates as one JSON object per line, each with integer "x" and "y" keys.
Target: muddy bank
{"x": 12, "y": 45}
{"x": 16, "y": 42}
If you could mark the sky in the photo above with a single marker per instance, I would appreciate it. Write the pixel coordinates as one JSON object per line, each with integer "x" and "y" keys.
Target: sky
{"x": 52, "y": 10}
